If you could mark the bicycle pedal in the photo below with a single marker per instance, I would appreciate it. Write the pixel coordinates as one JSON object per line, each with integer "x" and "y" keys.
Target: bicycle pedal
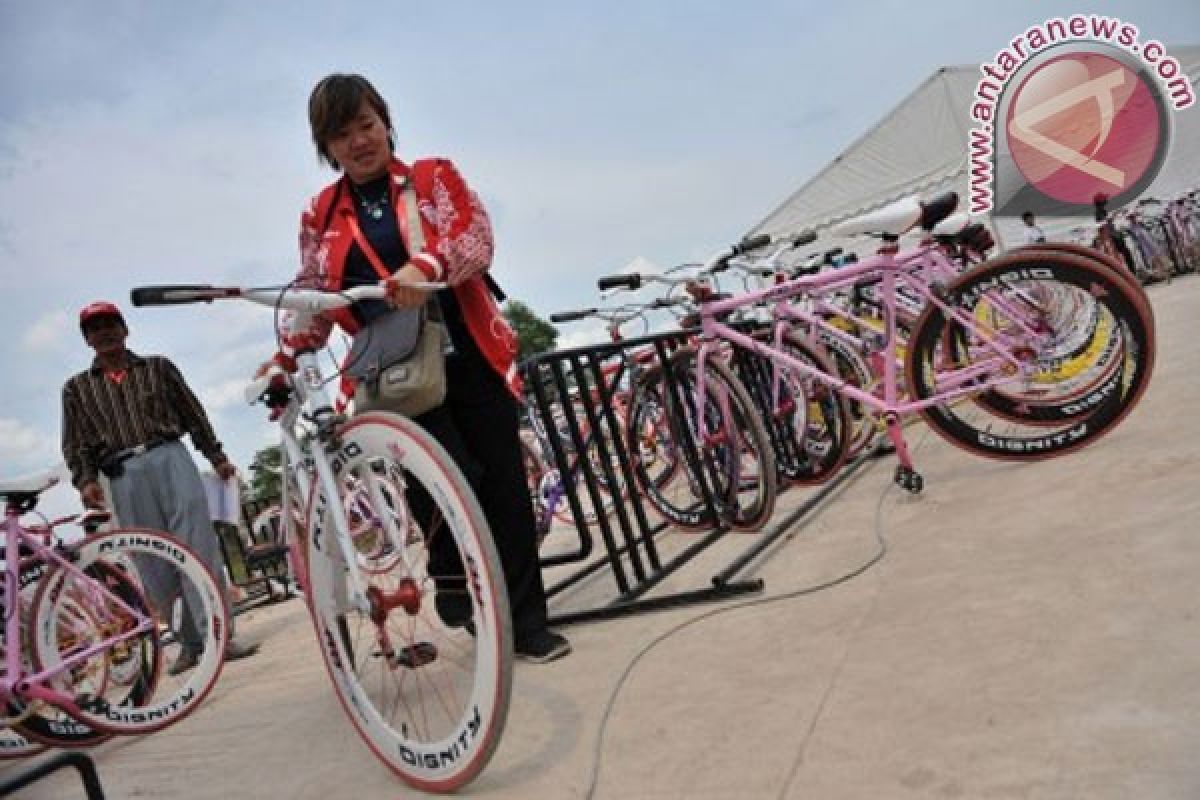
{"x": 92, "y": 703}
{"x": 909, "y": 479}
{"x": 415, "y": 655}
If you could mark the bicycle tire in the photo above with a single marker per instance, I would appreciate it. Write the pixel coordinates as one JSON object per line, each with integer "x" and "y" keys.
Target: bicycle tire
{"x": 147, "y": 707}
{"x": 852, "y": 368}
{"x": 41, "y": 724}
{"x": 1091, "y": 416}
{"x": 369, "y": 655}
{"x": 654, "y": 456}
{"x": 15, "y": 745}
{"x": 746, "y": 483}
{"x": 823, "y": 429}
{"x": 1116, "y": 265}
{"x": 1024, "y": 410}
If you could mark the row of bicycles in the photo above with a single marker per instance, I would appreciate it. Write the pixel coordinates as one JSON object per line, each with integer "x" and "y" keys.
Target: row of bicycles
{"x": 1157, "y": 240}
{"x": 801, "y": 367}
{"x": 1027, "y": 355}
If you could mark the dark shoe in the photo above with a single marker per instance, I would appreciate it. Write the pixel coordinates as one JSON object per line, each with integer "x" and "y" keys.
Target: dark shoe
{"x": 188, "y": 659}
{"x": 541, "y": 647}
{"x": 454, "y": 609}
{"x": 236, "y": 650}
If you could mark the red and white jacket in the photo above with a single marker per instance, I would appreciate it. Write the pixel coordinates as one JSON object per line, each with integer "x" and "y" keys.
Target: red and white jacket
{"x": 458, "y": 250}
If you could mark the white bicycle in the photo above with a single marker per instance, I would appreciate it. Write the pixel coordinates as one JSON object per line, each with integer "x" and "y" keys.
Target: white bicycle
{"x": 419, "y": 653}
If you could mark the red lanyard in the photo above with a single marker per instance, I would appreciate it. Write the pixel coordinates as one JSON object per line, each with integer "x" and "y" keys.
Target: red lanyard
{"x": 367, "y": 250}
{"x": 408, "y": 225}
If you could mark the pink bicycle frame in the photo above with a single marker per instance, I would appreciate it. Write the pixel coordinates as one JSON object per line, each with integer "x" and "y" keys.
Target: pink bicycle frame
{"x": 890, "y": 269}
{"x": 16, "y": 682}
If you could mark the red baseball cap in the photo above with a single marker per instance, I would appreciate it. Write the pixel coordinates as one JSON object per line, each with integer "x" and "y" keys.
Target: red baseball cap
{"x": 100, "y": 308}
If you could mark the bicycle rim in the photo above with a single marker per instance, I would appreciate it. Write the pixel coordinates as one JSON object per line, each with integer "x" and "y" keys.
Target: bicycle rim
{"x": 1044, "y": 287}
{"x": 157, "y": 577}
{"x": 428, "y": 696}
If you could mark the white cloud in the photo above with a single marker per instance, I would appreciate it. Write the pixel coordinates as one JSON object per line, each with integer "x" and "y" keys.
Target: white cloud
{"x": 227, "y": 394}
{"x": 50, "y": 333}
{"x": 584, "y": 333}
{"x": 24, "y": 449}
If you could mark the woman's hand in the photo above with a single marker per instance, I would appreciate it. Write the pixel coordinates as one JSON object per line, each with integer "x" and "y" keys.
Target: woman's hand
{"x": 402, "y": 296}
{"x": 279, "y": 361}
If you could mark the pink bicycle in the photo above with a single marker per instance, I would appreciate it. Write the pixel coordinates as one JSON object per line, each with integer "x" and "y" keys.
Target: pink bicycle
{"x": 1056, "y": 339}
{"x": 89, "y": 626}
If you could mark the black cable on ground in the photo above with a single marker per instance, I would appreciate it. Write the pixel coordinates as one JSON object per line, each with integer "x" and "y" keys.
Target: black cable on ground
{"x": 881, "y": 551}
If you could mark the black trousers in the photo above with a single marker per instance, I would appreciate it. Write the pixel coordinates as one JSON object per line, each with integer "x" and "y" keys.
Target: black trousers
{"x": 478, "y": 426}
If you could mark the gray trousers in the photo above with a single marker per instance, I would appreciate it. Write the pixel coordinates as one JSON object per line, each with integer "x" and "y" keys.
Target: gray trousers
{"x": 162, "y": 490}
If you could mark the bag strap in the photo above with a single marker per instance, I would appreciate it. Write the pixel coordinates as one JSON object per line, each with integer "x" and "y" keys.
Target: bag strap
{"x": 416, "y": 236}
{"x": 497, "y": 292}
{"x": 329, "y": 209}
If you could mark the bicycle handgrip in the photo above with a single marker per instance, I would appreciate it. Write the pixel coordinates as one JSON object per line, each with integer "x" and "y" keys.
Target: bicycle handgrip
{"x": 668, "y": 302}
{"x": 631, "y": 281}
{"x": 751, "y": 243}
{"x": 801, "y": 239}
{"x": 177, "y": 294}
{"x": 571, "y": 316}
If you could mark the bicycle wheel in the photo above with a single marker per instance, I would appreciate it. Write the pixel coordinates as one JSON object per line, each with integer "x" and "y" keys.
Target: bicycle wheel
{"x": 1082, "y": 361}
{"x": 139, "y": 595}
{"x": 1101, "y": 258}
{"x": 733, "y": 454}
{"x": 653, "y": 455}
{"x": 539, "y": 479}
{"x": 1034, "y": 303}
{"x": 14, "y": 745}
{"x": 813, "y": 414}
{"x": 38, "y": 723}
{"x": 422, "y": 664}
{"x": 865, "y": 421}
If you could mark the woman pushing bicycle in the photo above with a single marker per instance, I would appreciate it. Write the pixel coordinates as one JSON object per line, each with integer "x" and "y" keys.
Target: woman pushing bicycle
{"x": 446, "y": 358}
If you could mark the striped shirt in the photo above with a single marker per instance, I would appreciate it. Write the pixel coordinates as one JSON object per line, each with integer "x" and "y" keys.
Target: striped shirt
{"x": 102, "y": 417}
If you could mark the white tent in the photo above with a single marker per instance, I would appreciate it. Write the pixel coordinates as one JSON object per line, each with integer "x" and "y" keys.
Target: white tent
{"x": 921, "y": 147}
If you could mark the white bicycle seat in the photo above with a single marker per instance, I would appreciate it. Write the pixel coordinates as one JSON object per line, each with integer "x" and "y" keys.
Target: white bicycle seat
{"x": 32, "y": 484}
{"x": 894, "y": 218}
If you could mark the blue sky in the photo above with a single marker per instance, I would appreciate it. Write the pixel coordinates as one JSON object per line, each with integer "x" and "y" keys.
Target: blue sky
{"x": 155, "y": 142}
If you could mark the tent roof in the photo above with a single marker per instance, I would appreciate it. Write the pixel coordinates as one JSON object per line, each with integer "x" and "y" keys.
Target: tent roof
{"x": 921, "y": 147}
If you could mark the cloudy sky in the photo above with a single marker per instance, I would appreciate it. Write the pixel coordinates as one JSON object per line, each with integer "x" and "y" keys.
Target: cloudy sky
{"x": 158, "y": 142}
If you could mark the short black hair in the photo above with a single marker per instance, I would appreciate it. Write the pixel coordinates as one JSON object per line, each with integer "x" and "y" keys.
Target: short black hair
{"x": 335, "y": 102}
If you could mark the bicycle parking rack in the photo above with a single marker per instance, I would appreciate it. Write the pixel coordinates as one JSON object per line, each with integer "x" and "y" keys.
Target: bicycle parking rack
{"x": 625, "y": 530}
{"x": 632, "y": 552}
{"x": 71, "y": 758}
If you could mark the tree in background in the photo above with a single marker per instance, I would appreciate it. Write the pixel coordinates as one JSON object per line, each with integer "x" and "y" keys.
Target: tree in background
{"x": 266, "y": 475}
{"x": 534, "y": 334}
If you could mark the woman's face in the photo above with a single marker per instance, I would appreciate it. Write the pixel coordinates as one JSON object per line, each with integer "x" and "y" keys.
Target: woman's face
{"x": 361, "y": 148}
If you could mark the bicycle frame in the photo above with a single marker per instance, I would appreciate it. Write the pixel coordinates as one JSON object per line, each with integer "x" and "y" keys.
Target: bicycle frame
{"x": 17, "y": 683}
{"x": 891, "y": 270}
{"x": 311, "y": 399}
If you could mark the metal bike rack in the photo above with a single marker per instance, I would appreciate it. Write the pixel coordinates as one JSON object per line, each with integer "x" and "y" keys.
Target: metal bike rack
{"x": 631, "y": 551}
{"x": 9, "y": 784}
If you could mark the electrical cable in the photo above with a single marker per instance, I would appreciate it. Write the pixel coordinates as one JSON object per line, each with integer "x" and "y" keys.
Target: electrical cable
{"x": 876, "y": 557}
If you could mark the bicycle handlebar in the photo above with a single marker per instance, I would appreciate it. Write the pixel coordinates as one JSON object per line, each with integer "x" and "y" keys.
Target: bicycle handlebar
{"x": 291, "y": 298}
{"x": 571, "y": 316}
{"x": 631, "y": 281}
{"x": 751, "y": 243}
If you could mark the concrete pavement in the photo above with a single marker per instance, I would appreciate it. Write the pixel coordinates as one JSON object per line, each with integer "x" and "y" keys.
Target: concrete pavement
{"x": 1030, "y": 632}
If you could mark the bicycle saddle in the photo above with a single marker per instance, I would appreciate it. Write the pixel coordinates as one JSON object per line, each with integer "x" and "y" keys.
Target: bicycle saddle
{"x": 30, "y": 484}
{"x": 893, "y": 219}
{"x": 952, "y": 224}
